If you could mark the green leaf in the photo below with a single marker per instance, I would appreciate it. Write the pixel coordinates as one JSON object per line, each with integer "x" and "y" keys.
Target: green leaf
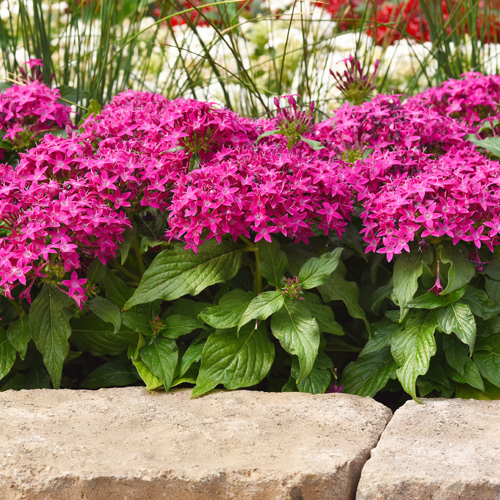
{"x": 316, "y": 145}
{"x": 234, "y": 361}
{"x": 37, "y": 378}
{"x": 19, "y": 335}
{"x": 7, "y": 354}
{"x": 265, "y": 134}
{"x": 187, "y": 307}
{"x": 272, "y": 262}
{"x": 337, "y": 288}
{"x": 49, "y": 316}
{"x": 413, "y": 346}
{"x": 490, "y": 392}
{"x": 128, "y": 238}
{"x": 461, "y": 271}
{"x": 176, "y": 272}
{"x": 408, "y": 268}
{"x": 298, "y": 334}
{"x": 290, "y": 386}
{"x": 430, "y": 300}
{"x": 72, "y": 94}
{"x": 114, "y": 373}
{"x": 323, "y": 314}
{"x": 491, "y": 144}
{"x": 137, "y": 322}
{"x": 456, "y": 353}
{"x": 228, "y": 312}
{"x": 106, "y": 310}
{"x": 317, "y": 270}
{"x": 194, "y": 162}
{"x": 116, "y": 290}
{"x": 382, "y": 336}
{"x": 480, "y": 304}
{"x": 96, "y": 272}
{"x": 318, "y": 380}
{"x": 493, "y": 269}
{"x": 458, "y": 319}
{"x": 492, "y": 288}
{"x": 262, "y": 306}
{"x": 470, "y": 376}
{"x": 5, "y": 85}
{"x": 91, "y": 334}
{"x": 192, "y": 354}
{"x": 161, "y": 358}
{"x": 93, "y": 108}
{"x": 488, "y": 361}
{"x": 146, "y": 375}
{"x": 370, "y": 373}
{"x": 15, "y": 383}
{"x": 177, "y": 325}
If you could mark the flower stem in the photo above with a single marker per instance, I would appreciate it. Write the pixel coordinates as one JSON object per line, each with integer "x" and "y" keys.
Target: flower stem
{"x": 140, "y": 260}
{"x": 114, "y": 263}
{"x": 257, "y": 275}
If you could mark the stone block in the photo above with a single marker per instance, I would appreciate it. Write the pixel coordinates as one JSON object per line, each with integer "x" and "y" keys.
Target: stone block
{"x": 442, "y": 449}
{"x": 130, "y": 444}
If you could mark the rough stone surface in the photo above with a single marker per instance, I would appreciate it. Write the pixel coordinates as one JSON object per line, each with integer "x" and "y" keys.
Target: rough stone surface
{"x": 442, "y": 449}
{"x": 130, "y": 444}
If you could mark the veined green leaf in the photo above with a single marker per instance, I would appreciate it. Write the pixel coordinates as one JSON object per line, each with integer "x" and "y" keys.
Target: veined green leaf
{"x": 178, "y": 325}
{"x": 152, "y": 382}
{"x": 457, "y": 318}
{"x": 7, "y": 354}
{"x": 161, "y": 356}
{"x": 318, "y": 380}
{"x": 106, "y": 310}
{"x": 323, "y": 314}
{"x": 408, "y": 268}
{"x": 480, "y": 304}
{"x": 114, "y": 373}
{"x": 413, "y": 346}
{"x": 369, "y": 373}
{"x": 176, "y": 272}
{"x": 461, "y": 271}
{"x": 229, "y": 310}
{"x": 262, "y": 306}
{"x": 49, "y": 316}
{"x": 272, "y": 261}
{"x": 298, "y": 334}
{"x": 91, "y": 334}
{"x": 19, "y": 335}
{"x": 337, "y": 288}
{"x": 234, "y": 361}
{"x": 317, "y": 270}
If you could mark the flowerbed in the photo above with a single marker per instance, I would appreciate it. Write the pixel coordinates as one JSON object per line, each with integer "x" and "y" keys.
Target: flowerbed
{"x": 175, "y": 242}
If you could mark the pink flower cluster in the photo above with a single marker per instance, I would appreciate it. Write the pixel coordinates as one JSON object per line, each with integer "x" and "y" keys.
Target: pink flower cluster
{"x": 455, "y": 196}
{"x": 406, "y": 167}
{"x": 474, "y": 97}
{"x": 29, "y": 111}
{"x": 262, "y": 191}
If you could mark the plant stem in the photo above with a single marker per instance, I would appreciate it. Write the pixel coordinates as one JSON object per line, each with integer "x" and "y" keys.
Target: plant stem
{"x": 257, "y": 275}
{"x": 125, "y": 271}
{"x": 140, "y": 260}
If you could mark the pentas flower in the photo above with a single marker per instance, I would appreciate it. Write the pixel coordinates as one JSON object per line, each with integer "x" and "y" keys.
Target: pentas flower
{"x": 29, "y": 111}
{"x": 473, "y": 97}
{"x": 157, "y": 125}
{"x": 75, "y": 288}
{"x": 453, "y": 197}
{"x": 385, "y": 123}
{"x": 260, "y": 192}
